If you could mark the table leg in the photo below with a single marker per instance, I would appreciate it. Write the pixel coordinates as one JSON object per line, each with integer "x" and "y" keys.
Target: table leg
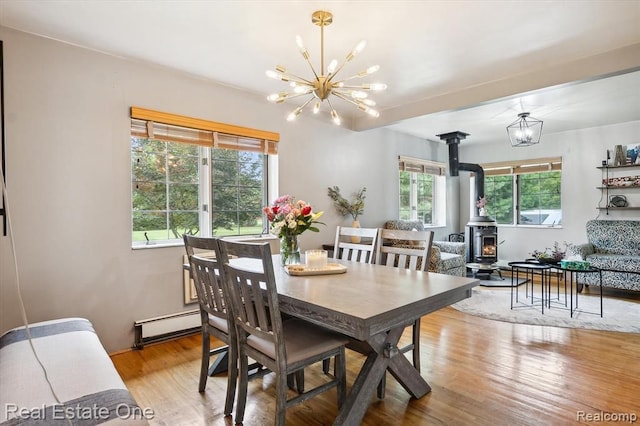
{"x": 220, "y": 363}
{"x": 572, "y": 278}
{"x": 600, "y": 274}
{"x": 571, "y": 292}
{"x": 384, "y": 355}
{"x": 542, "y": 280}
{"x": 512, "y": 274}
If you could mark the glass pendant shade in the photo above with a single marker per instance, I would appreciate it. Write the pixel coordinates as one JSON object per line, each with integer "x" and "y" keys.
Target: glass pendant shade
{"x": 525, "y": 131}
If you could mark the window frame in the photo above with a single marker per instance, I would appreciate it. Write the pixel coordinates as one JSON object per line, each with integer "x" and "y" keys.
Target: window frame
{"x": 516, "y": 169}
{"x": 437, "y": 171}
{"x": 207, "y": 135}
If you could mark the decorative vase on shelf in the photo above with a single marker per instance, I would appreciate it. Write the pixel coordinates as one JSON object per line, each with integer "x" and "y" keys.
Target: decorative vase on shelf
{"x": 620, "y": 158}
{"x": 355, "y": 239}
{"x": 289, "y": 250}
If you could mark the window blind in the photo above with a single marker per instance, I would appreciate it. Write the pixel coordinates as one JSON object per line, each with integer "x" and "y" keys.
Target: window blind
{"x": 176, "y": 128}
{"x": 523, "y": 166}
{"x": 418, "y": 165}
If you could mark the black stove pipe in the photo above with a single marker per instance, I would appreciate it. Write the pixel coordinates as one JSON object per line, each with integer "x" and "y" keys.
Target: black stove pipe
{"x": 479, "y": 171}
{"x": 453, "y": 140}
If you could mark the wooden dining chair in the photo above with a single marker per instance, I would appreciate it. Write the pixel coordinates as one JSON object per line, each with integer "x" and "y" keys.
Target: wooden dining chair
{"x": 346, "y": 249}
{"x": 284, "y": 347}
{"x": 205, "y": 271}
{"x": 409, "y": 250}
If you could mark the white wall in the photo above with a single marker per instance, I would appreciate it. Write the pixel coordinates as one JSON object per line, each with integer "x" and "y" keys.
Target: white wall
{"x": 68, "y": 176}
{"x": 582, "y": 152}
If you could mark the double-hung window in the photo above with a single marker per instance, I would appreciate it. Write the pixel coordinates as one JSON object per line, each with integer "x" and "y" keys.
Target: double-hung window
{"x": 422, "y": 191}
{"x": 524, "y": 192}
{"x": 196, "y": 177}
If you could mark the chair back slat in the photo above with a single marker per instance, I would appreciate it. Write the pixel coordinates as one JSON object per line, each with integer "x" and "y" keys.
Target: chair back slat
{"x": 205, "y": 271}
{"x": 208, "y": 284}
{"x": 251, "y": 285}
{"x": 252, "y": 307}
{"x": 405, "y": 249}
{"x": 346, "y": 249}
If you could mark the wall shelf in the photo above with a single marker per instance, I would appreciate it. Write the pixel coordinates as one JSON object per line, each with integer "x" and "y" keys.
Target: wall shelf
{"x": 618, "y": 208}
{"x": 627, "y": 166}
{"x": 609, "y": 191}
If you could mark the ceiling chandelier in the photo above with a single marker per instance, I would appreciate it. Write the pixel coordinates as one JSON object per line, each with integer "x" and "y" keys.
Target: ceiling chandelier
{"x": 525, "y": 131}
{"x": 321, "y": 87}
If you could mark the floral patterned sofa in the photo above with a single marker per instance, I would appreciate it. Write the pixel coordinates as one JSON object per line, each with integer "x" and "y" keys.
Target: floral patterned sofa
{"x": 446, "y": 257}
{"x": 613, "y": 245}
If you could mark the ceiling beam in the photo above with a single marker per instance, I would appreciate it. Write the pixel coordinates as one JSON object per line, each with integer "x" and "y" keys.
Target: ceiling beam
{"x": 614, "y": 62}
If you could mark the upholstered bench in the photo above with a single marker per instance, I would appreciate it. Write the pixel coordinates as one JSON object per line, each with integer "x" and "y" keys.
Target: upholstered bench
{"x": 81, "y": 386}
{"x": 446, "y": 257}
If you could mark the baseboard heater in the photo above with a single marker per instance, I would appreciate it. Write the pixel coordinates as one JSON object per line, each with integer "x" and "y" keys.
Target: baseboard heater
{"x": 166, "y": 327}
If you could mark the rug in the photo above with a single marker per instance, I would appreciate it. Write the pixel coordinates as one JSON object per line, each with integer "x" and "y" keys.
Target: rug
{"x": 619, "y": 315}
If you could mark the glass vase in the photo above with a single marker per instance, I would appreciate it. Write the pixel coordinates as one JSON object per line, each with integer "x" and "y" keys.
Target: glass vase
{"x": 289, "y": 250}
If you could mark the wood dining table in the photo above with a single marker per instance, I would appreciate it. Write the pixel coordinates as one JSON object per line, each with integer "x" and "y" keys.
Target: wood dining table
{"x": 372, "y": 304}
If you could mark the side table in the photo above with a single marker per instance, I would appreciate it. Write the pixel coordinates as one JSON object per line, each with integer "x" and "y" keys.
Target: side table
{"x": 529, "y": 268}
{"x": 571, "y": 273}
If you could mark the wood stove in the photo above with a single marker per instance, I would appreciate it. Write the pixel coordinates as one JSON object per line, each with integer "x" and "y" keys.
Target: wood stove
{"x": 482, "y": 231}
{"x": 482, "y": 240}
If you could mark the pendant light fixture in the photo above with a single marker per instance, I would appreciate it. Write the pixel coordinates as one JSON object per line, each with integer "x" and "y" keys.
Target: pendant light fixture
{"x": 525, "y": 131}
{"x": 325, "y": 86}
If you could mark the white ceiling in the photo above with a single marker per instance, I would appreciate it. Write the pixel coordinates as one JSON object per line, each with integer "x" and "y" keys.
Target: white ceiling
{"x": 465, "y": 65}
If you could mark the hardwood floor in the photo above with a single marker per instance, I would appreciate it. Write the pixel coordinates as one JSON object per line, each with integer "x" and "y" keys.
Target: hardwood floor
{"x": 482, "y": 372}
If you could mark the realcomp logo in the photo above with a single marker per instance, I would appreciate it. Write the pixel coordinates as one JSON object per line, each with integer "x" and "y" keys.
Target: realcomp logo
{"x": 601, "y": 416}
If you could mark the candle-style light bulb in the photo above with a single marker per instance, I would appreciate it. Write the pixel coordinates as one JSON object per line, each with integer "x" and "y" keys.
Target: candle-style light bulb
{"x": 332, "y": 67}
{"x": 294, "y": 114}
{"x": 335, "y": 117}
